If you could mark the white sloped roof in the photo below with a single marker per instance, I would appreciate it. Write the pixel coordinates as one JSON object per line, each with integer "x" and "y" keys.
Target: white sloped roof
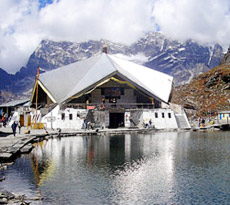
{"x": 15, "y": 103}
{"x": 157, "y": 83}
{"x": 72, "y": 79}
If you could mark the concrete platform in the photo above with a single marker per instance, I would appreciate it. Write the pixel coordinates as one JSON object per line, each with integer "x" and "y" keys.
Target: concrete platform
{"x": 11, "y": 145}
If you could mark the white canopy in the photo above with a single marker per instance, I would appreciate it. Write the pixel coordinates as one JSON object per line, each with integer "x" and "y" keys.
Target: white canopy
{"x": 72, "y": 79}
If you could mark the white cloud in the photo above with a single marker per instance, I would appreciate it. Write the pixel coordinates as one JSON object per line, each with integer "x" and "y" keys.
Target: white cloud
{"x": 119, "y": 20}
{"x": 207, "y": 21}
{"x": 23, "y": 25}
{"x": 18, "y": 33}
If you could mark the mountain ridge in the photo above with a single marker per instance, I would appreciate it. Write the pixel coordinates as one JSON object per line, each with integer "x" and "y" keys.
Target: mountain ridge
{"x": 181, "y": 60}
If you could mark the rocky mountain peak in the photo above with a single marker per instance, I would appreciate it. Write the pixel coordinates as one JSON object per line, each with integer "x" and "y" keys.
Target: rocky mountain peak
{"x": 206, "y": 94}
{"x": 226, "y": 58}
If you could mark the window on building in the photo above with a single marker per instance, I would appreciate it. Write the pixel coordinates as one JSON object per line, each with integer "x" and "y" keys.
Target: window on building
{"x": 169, "y": 114}
{"x": 70, "y": 116}
{"x": 122, "y": 91}
{"x": 163, "y": 115}
{"x": 156, "y": 115}
{"x": 111, "y": 92}
{"x": 63, "y": 116}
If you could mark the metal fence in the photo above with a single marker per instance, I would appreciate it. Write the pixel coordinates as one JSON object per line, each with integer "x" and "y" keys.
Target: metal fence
{"x": 110, "y": 106}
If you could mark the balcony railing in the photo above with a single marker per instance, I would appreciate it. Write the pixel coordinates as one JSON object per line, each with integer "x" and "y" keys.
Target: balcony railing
{"x": 106, "y": 106}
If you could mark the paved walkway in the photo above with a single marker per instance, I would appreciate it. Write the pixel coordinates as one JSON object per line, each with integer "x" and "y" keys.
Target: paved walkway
{"x": 9, "y": 131}
{"x": 10, "y": 144}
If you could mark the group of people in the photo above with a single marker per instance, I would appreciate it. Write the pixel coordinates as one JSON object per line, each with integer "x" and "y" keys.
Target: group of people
{"x": 4, "y": 119}
{"x": 148, "y": 125}
{"x": 201, "y": 122}
{"x": 87, "y": 125}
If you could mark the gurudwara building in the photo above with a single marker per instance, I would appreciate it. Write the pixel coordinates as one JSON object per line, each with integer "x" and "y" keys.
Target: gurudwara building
{"x": 108, "y": 92}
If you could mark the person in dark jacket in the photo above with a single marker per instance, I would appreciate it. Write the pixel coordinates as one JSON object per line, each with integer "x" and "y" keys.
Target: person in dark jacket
{"x": 14, "y": 126}
{"x": 19, "y": 127}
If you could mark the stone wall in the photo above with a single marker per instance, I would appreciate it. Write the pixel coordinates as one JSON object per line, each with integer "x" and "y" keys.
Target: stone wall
{"x": 160, "y": 118}
{"x": 69, "y": 118}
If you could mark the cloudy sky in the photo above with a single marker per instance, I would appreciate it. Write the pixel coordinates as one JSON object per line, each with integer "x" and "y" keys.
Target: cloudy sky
{"x": 24, "y": 23}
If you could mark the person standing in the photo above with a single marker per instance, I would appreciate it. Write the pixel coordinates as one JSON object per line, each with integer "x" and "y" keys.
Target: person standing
{"x": 150, "y": 123}
{"x": 85, "y": 124}
{"x": 19, "y": 127}
{"x": 14, "y": 126}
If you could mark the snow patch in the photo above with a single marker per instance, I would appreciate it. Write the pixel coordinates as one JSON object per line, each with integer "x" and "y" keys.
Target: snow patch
{"x": 139, "y": 58}
{"x": 181, "y": 49}
{"x": 210, "y": 54}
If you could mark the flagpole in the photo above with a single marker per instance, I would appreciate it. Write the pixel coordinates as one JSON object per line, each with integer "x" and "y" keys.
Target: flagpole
{"x": 36, "y": 105}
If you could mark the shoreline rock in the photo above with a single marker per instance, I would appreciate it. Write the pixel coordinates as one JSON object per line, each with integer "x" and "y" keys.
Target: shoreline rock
{"x": 7, "y": 197}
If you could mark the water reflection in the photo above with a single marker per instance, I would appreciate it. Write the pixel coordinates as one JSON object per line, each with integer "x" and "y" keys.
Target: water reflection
{"x": 42, "y": 165}
{"x": 162, "y": 168}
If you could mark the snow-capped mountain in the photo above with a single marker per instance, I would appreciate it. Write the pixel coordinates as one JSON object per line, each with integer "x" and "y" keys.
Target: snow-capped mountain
{"x": 181, "y": 60}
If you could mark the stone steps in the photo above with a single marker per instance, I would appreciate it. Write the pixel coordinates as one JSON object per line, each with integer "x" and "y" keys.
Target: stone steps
{"x": 181, "y": 121}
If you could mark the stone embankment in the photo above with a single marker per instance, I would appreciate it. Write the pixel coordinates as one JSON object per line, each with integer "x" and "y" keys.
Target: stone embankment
{"x": 11, "y": 147}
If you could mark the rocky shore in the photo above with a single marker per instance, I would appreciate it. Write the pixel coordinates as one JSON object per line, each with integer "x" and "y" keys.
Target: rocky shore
{"x": 11, "y": 198}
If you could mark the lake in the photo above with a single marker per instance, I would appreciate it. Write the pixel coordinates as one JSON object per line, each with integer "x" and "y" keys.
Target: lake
{"x": 159, "y": 168}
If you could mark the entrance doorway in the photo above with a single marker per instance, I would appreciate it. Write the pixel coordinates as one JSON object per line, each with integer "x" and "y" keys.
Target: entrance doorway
{"x": 116, "y": 120}
{"x": 22, "y": 120}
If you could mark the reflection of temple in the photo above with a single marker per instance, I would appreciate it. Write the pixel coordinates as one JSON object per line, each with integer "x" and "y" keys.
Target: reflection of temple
{"x": 131, "y": 157}
{"x": 117, "y": 150}
{"x": 106, "y": 91}
{"x": 42, "y": 165}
